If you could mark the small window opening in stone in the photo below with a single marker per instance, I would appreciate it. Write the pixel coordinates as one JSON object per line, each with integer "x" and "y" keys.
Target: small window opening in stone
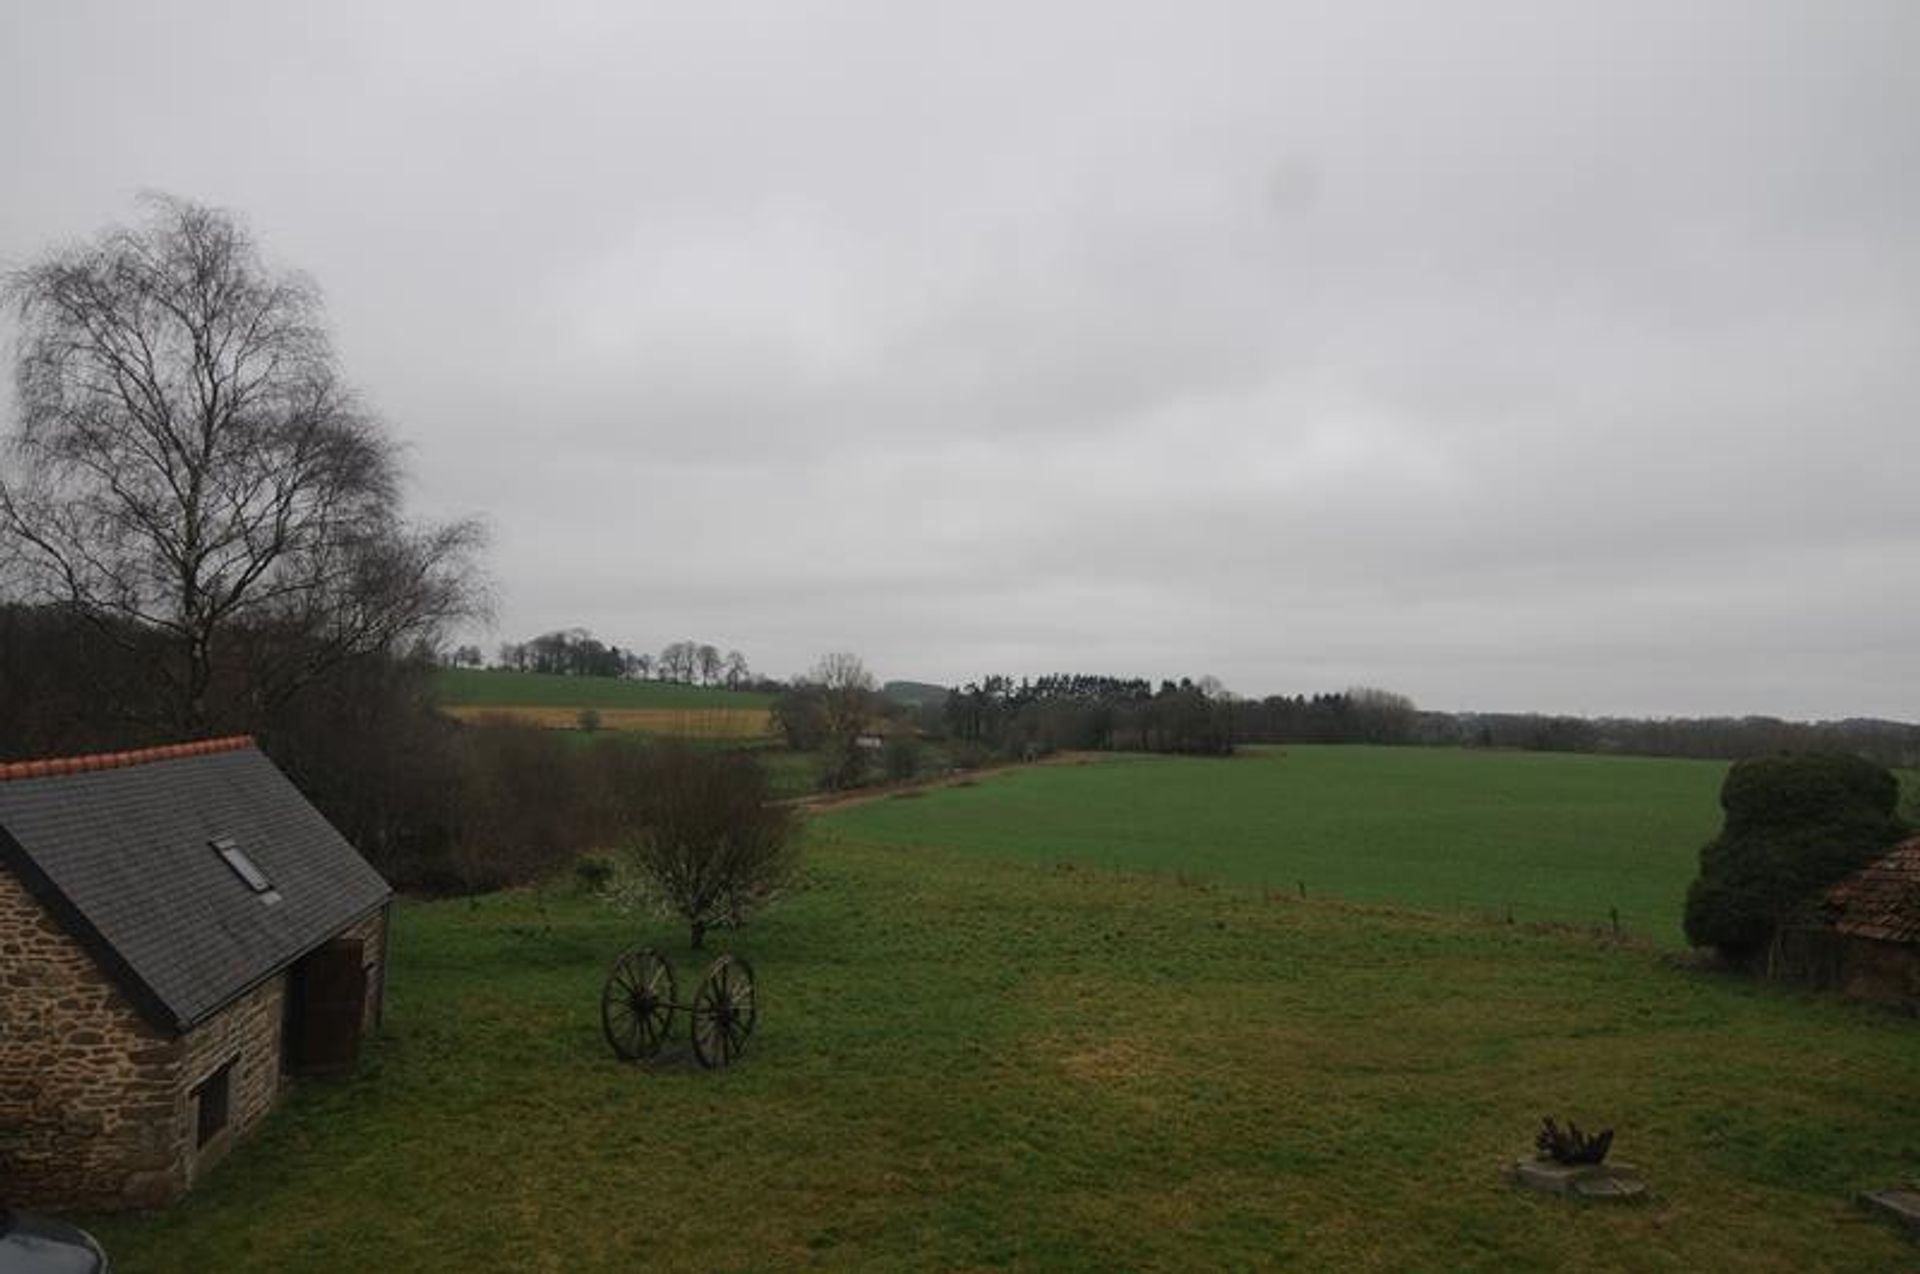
{"x": 210, "y": 1102}
{"x": 245, "y": 868}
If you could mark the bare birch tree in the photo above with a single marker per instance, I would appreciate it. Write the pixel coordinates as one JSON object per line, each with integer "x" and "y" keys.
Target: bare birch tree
{"x": 190, "y": 463}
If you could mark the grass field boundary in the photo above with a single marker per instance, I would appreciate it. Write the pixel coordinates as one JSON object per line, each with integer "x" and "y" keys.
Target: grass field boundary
{"x": 748, "y": 725}
{"x": 495, "y": 687}
{"x": 1612, "y": 925}
{"x": 1573, "y": 840}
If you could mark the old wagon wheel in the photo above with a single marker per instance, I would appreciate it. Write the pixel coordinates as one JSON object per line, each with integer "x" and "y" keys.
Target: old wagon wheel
{"x": 637, "y": 1003}
{"x": 724, "y": 1011}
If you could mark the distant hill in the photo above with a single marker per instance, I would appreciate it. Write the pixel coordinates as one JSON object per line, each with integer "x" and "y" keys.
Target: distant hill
{"x": 915, "y": 694}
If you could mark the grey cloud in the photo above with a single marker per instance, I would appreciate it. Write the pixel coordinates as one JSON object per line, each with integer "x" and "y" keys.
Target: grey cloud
{"x": 1517, "y": 355}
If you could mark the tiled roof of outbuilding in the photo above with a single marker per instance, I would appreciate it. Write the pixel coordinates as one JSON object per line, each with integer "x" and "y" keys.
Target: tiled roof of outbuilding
{"x": 1882, "y": 899}
{"x": 120, "y": 848}
{"x": 119, "y": 760}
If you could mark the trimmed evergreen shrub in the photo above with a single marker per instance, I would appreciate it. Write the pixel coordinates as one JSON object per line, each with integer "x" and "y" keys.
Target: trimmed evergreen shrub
{"x": 1795, "y": 823}
{"x": 1805, "y": 787}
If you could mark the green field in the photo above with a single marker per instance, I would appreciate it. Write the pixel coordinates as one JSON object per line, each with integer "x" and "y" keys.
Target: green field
{"x": 968, "y": 1063}
{"x": 1557, "y": 838}
{"x": 474, "y": 687}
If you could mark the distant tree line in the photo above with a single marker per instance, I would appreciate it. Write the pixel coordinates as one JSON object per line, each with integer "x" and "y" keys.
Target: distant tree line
{"x": 1090, "y": 712}
{"x": 1099, "y": 713}
{"x": 1362, "y": 714}
{"x": 1889, "y": 743}
{"x": 575, "y": 652}
{"x": 1365, "y": 715}
{"x": 1197, "y": 717}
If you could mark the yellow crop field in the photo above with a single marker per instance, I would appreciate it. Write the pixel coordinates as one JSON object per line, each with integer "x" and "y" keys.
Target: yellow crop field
{"x": 691, "y": 723}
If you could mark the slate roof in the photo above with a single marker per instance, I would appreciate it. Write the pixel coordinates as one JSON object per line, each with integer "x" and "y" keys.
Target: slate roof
{"x": 1881, "y": 900}
{"x": 118, "y": 847}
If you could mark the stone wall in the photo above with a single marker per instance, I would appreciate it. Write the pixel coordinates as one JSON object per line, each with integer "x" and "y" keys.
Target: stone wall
{"x": 372, "y": 932}
{"x": 245, "y": 1035}
{"x": 1863, "y": 968}
{"x": 89, "y": 1092}
{"x": 1884, "y": 971}
{"x": 97, "y": 1107}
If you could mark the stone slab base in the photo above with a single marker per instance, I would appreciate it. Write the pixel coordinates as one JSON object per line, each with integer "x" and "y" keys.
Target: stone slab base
{"x": 1613, "y": 1182}
{"x": 1900, "y": 1205}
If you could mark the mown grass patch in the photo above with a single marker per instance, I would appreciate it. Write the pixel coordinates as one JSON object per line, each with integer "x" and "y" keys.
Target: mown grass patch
{"x": 966, "y": 1063}
{"x": 1540, "y": 837}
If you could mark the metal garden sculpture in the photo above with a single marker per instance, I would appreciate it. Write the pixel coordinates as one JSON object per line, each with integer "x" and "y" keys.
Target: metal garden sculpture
{"x": 1572, "y": 1145}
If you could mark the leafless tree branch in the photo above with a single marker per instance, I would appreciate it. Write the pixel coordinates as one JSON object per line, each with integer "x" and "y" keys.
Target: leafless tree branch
{"x": 189, "y": 460}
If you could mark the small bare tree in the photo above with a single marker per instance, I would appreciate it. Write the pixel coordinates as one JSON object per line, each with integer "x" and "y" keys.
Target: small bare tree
{"x": 189, "y": 462}
{"x": 714, "y": 848}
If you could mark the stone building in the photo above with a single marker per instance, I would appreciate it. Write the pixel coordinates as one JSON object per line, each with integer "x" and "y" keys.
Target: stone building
{"x": 179, "y": 928}
{"x": 1862, "y": 936}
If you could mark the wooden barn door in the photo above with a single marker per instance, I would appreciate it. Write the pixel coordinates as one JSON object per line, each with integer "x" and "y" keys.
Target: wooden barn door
{"x": 328, "y": 1002}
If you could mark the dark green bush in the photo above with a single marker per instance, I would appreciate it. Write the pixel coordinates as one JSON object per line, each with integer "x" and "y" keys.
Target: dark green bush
{"x": 528, "y": 800}
{"x": 1804, "y": 788}
{"x": 516, "y": 804}
{"x": 843, "y": 765}
{"x": 593, "y": 872}
{"x": 967, "y": 755}
{"x": 1794, "y": 825}
{"x": 901, "y": 757}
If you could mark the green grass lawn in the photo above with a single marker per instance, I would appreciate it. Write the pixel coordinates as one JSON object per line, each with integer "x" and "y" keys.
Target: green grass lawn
{"x": 969, "y": 1063}
{"x": 460, "y": 687}
{"x": 1553, "y": 837}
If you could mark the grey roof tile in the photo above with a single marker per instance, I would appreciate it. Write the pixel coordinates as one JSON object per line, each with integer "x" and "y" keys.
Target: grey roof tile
{"x": 128, "y": 851}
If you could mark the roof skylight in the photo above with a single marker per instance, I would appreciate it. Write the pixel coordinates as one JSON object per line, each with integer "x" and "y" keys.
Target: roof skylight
{"x": 245, "y": 868}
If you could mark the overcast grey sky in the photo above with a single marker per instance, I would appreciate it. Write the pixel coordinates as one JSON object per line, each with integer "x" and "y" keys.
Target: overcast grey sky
{"x": 1513, "y": 356}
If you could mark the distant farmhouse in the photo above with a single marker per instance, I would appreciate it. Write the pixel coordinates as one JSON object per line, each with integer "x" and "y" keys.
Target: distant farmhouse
{"x": 1863, "y": 935}
{"x": 178, "y": 928}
